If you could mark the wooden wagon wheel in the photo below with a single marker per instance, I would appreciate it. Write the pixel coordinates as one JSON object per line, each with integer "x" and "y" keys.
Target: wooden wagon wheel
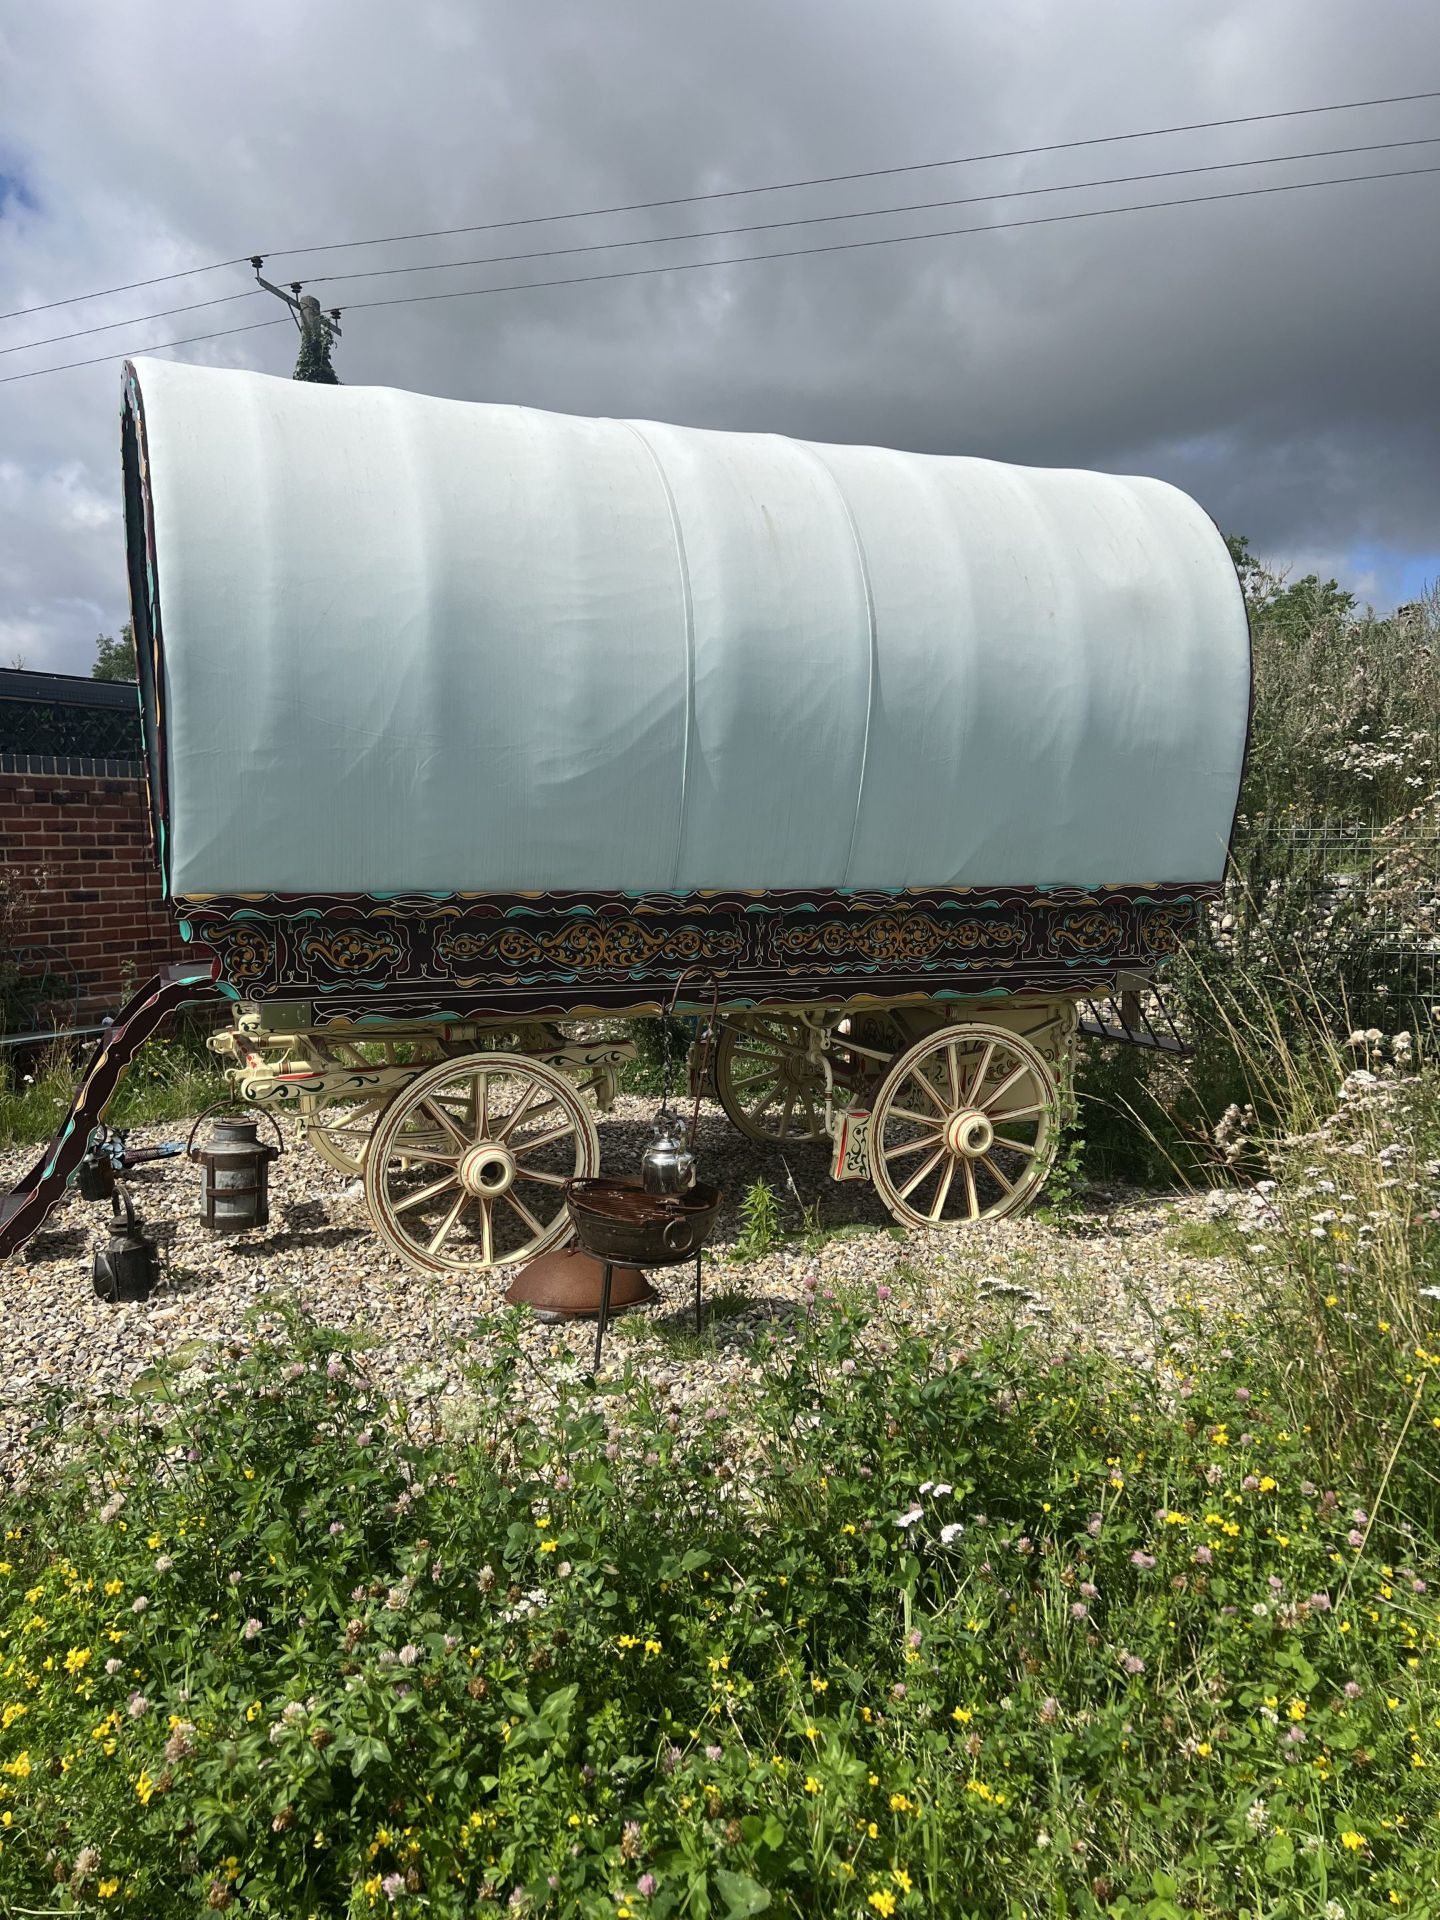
{"x": 964, "y": 1128}
{"x": 766, "y": 1079}
{"x": 468, "y": 1164}
{"x": 341, "y": 1140}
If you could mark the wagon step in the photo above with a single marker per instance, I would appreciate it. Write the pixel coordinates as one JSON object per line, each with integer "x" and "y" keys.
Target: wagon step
{"x": 1133, "y": 1019}
{"x": 25, "y": 1210}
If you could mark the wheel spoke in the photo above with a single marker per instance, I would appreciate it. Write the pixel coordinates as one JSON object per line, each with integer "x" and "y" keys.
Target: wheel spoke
{"x": 949, "y": 1174}
{"x": 521, "y": 1108}
{"x": 482, "y": 1104}
{"x": 422, "y": 1194}
{"x": 970, "y": 1193}
{"x": 929, "y": 1167}
{"x": 1019, "y": 1113}
{"x": 426, "y": 1154}
{"x": 1005, "y": 1085}
{"x": 952, "y": 1069}
{"x": 910, "y": 1146}
{"x": 761, "y": 1099}
{"x": 742, "y": 1082}
{"x": 532, "y": 1114}
{"x": 986, "y": 1161}
{"x": 925, "y": 1120}
{"x": 437, "y": 1112}
{"x": 784, "y": 1127}
{"x": 1016, "y": 1146}
{"x": 543, "y": 1139}
{"x": 442, "y": 1233}
{"x": 977, "y": 1080}
{"x": 922, "y": 1081}
{"x": 544, "y": 1179}
{"x": 487, "y": 1231}
{"x": 524, "y": 1212}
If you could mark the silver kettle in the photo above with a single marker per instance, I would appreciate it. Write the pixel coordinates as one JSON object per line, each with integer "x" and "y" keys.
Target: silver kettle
{"x": 668, "y": 1163}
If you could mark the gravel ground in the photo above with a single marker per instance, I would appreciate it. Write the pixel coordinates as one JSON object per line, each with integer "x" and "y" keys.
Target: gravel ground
{"x": 1106, "y": 1281}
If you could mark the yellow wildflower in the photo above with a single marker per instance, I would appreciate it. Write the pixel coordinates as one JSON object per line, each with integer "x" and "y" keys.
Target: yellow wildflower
{"x": 1352, "y": 1841}
{"x": 883, "y": 1903}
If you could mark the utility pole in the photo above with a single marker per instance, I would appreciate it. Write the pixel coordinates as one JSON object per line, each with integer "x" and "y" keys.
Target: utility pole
{"x": 318, "y": 331}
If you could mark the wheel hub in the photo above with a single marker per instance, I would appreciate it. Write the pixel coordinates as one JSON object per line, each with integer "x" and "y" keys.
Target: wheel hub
{"x": 487, "y": 1170}
{"x": 969, "y": 1134}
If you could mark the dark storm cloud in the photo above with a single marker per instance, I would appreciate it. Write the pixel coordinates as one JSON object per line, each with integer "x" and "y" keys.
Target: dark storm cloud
{"x": 1274, "y": 356}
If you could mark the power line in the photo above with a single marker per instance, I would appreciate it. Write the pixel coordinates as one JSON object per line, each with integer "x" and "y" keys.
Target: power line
{"x": 135, "y": 320}
{"x": 160, "y": 346}
{"x": 869, "y": 173}
{"x": 746, "y": 259}
{"x": 765, "y": 226}
{"x": 864, "y": 213}
{"x": 736, "y": 193}
{"x": 889, "y": 240}
{"x": 103, "y": 293}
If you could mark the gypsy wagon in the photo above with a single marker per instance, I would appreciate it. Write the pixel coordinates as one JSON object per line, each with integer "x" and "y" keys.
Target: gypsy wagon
{"x": 472, "y": 729}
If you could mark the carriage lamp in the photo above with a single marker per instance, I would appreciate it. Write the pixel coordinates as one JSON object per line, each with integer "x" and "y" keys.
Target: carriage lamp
{"x": 236, "y": 1193}
{"x": 128, "y": 1265}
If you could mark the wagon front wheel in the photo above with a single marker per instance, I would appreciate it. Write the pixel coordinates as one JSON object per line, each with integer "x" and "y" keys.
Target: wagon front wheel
{"x": 467, "y": 1166}
{"x": 964, "y": 1128}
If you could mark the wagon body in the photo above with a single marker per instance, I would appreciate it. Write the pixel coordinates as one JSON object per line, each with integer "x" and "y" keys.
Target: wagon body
{"x": 457, "y": 710}
{"x": 464, "y": 721}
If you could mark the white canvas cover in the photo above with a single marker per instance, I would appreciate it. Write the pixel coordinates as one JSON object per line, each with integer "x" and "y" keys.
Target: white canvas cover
{"x": 414, "y": 644}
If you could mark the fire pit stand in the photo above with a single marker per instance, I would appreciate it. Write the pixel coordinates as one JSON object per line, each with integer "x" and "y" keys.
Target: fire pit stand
{"x": 618, "y": 1223}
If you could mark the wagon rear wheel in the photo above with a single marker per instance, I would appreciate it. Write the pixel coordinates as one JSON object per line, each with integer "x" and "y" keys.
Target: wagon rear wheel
{"x": 767, "y": 1078}
{"x": 467, "y": 1167}
{"x": 964, "y": 1128}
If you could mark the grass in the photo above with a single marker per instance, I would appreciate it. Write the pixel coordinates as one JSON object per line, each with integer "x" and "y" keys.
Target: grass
{"x": 902, "y": 1629}
{"x": 969, "y": 1634}
{"x": 169, "y": 1079}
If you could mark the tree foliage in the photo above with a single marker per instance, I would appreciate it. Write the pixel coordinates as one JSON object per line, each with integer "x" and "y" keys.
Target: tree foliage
{"x": 115, "y": 658}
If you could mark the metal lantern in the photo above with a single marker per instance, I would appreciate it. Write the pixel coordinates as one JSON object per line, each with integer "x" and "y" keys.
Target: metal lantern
{"x": 128, "y": 1265}
{"x": 237, "y": 1175}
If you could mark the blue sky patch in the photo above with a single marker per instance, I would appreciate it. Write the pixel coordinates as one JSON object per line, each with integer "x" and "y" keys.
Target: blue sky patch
{"x": 14, "y": 191}
{"x": 1398, "y": 577}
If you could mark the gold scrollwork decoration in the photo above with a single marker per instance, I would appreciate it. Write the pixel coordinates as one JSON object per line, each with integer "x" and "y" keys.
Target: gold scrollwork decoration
{"x": 590, "y": 946}
{"x": 346, "y": 952}
{"x": 1163, "y": 928}
{"x": 1088, "y": 931}
{"x": 898, "y": 939}
{"x": 247, "y": 952}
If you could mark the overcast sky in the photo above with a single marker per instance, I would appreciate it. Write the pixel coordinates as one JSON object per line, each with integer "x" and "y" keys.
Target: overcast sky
{"x": 1276, "y": 356}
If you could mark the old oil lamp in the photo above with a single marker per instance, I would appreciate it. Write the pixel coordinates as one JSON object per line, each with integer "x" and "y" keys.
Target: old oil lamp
{"x": 236, "y": 1193}
{"x": 128, "y": 1265}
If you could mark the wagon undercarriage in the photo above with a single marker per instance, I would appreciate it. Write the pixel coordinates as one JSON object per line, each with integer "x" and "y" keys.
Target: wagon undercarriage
{"x": 465, "y": 1135}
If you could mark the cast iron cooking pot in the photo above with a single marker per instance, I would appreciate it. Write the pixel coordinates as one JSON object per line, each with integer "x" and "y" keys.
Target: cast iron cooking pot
{"x": 616, "y": 1220}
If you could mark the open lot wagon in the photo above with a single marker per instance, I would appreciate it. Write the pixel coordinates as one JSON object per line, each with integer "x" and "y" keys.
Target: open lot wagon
{"x": 467, "y": 724}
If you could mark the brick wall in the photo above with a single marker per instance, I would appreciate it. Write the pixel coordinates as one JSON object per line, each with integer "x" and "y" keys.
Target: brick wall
{"x": 101, "y": 913}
